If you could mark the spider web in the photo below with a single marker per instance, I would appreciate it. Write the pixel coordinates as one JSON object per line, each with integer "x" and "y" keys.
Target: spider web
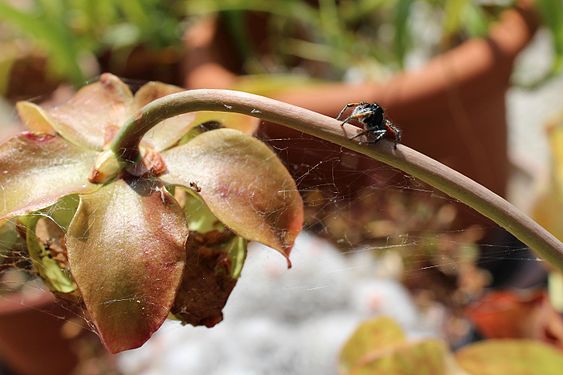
{"x": 377, "y": 222}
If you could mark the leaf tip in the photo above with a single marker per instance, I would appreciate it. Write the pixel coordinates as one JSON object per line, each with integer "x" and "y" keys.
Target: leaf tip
{"x": 289, "y": 264}
{"x": 34, "y": 117}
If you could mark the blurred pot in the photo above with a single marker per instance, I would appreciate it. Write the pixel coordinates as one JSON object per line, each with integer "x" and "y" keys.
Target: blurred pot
{"x": 453, "y": 109}
{"x": 31, "y": 335}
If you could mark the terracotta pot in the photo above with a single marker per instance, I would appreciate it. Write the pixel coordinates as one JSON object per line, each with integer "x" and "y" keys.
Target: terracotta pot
{"x": 453, "y": 109}
{"x": 29, "y": 78}
{"x": 31, "y": 339}
{"x": 143, "y": 64}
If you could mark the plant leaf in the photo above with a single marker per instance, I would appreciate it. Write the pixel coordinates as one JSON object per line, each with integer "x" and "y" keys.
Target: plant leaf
{"x": 91, "y": 117}
{"x": 244, "y": 123}
{"x": 126, "y": 248}
{"x": 428, "y": 357}
{"x": 243, "y": 183}
{"x": 168, "y": 132}
{"x": 370, "y": 336}
{"x": 13, "y": 245}
{"x": 515, "y": 357}
{"x": 48, "y": 268}
{"x": 35, "y": 118}
{"x": 37, "y": 170}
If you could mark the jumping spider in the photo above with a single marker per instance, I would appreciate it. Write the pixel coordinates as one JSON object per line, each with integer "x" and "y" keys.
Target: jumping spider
{"x": 372, "y": 117}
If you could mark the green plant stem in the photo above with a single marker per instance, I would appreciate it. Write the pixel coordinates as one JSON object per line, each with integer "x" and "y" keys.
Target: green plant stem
{"x": 404, "y": 158}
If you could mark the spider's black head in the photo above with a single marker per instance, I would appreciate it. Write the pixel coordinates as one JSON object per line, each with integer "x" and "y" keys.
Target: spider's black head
{"x": 372, "y": 115}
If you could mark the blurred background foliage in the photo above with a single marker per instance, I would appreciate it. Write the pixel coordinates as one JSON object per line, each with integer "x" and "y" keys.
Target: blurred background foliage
{"x": 82, "y": 37}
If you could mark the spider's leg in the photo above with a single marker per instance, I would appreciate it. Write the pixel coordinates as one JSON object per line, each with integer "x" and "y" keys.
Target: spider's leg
{"x": 360, "y": 134}
{"x": 378, "y": 135}
{"x": 395, "y": 130}
{"x": 345, "y": 120}
{"x": 345, "y": 108}
{"x": 354, "y": 117}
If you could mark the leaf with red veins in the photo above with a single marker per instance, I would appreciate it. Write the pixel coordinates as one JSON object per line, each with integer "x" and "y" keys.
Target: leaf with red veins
{"x": 126, "y": 250}
{"x": 37, "y": 170}
{"x": 95, "y": 111}
{"x": 244, "y": 184}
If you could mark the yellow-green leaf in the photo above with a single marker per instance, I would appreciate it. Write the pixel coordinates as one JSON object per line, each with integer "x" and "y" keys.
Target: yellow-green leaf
{"x": 370, "y": 336}
{"x": 35, "y": 118}
{"x": 57, "y": 279}
{"x": 514, "y": 357}
{"x": 428, "y": 357}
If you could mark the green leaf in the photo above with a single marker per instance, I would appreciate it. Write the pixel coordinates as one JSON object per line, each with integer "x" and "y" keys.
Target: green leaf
{"x": 514, "y": 357}
{"x": 402, "y": 38}
{"x": 37, "y": 170}
{"x": 62, "y": 212}
{"x": 126, "y": 248}
{"x": 243, "y": 183}
{"x": 57, "y": 279}
{"x": 453, "y": 15}
{"x": 91, "y": 117}
{"x": 370, "y": 336}
{"x": 47, "y": 30}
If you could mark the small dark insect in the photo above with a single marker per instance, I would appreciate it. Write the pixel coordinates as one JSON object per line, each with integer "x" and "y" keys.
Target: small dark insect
{"x": 195, "y": 187}
{"x": 372, "y": 117}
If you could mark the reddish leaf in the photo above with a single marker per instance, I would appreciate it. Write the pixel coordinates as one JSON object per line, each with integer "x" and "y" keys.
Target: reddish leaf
{"x": 126, "y": 248}
{"x": 90, "y": 118}
{"x": 244, "y": 184}
{"x": 37, "y": 170}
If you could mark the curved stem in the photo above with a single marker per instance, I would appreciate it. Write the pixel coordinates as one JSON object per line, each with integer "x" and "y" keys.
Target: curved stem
{"x": 408, "y": 160}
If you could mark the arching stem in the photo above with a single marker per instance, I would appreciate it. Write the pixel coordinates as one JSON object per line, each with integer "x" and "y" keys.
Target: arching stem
{"x": 441, "y": 177}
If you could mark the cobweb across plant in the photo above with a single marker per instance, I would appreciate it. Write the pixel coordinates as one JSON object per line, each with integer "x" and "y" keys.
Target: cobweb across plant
{"x": 393, "y": 217}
